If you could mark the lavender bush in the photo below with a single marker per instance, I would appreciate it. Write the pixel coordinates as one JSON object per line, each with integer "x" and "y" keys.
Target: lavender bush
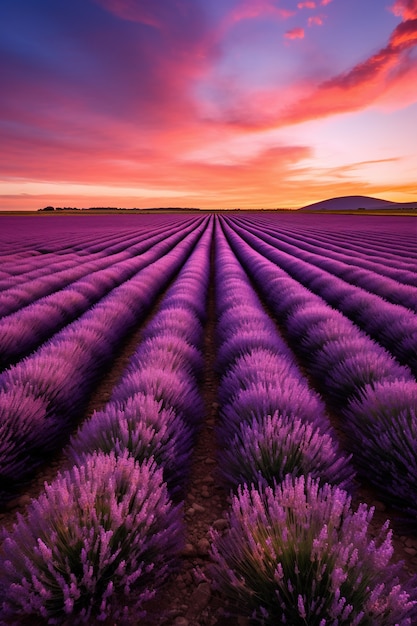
{"x": 384, "y": 419}
{"x": 21, "y": 413}
{"x": 177, "y": 320}
{"x": 171, "y": 351}
{"x": 175, "y": 389}
{"x": 242, "y": 342}
{"x": 265, "y": 450}
{"x": 97, "y": 543}
{"x": 347, "y": 378}
{"x": 289, "y": 397}
{"x": 298, "y": 554}
{"x": 260, "y": 364}
{"x": 143, "y": 428}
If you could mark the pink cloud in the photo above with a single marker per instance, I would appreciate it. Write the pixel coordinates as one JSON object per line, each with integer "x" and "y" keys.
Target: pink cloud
{"x": 402, "y": 38}
{"x": 306, "y": 5}
{"x": 252, "y": 9}
{"x": 295, "y": 33}
{"x": 386, "y": 78}
{"x": 383, "y": 78}
{"x": 407, "y": 9}
{"x": 316, "y": 20}
{"x": 325, "y": 2}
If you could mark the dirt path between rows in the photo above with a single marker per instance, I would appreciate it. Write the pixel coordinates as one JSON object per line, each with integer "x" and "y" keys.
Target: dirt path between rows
{"x": 188, "y": 598}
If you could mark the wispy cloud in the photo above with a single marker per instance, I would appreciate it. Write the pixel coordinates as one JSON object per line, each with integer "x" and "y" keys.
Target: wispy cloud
{"x": 385, "y": 75}
{"x": 295, "y": 33}
{"x": 393, "y": 56}
{"x": 252, "y": 9}
{"x": 315, "y": 20}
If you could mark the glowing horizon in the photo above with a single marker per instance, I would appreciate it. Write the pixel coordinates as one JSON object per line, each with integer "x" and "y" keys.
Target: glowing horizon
{"x": 232, "y": 103}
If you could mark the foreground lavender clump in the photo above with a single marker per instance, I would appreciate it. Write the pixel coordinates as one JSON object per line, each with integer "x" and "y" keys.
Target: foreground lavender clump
{"x": 384, "y": 419}
{"x": 298, "y": 554}
{"x": 101, "y": 536}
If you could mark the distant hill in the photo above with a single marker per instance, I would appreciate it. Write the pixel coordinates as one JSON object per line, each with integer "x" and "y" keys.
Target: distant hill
{"x": 352, "y": 203}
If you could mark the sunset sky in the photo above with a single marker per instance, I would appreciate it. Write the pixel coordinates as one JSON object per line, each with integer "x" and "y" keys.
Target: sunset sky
{"x": 206, "y": 103}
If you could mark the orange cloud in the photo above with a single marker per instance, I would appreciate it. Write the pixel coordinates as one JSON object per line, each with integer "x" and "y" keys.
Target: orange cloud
{"x": 405, "y": 35}
{"x": 258, "y": 180}
{"x": 295, "y": 33}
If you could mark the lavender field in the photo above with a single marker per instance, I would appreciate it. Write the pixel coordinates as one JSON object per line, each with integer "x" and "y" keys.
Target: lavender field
{"x": 130, "y": 343}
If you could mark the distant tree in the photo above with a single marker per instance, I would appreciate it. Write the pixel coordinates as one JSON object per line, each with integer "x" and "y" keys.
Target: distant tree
{"x": 47, "y": 208}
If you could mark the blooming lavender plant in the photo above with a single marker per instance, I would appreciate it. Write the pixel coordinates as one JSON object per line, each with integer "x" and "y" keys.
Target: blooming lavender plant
{"x": 175, "y": 389}
{"x": 260, "y": 364}
{"x": 298, "y": 554}
{"x": 244, "y": 316}
{"x": 348, "y": 377}
{"x": 266, "y": 450}
{"x": 174, "y": 351}
{"x": 143, "y": 428}
{"x": 177, "y": 320}
{"x": 99, "y": 541}
{"x": 243, "y": 342}
{"x": 384, "y": 419}
{"x": 21, "y": 412}
{"x": 288, "y": 397}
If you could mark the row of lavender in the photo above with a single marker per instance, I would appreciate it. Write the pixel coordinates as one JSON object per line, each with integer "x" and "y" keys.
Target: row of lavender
{"x": 32, "y": 250}
{"x": 295, "y": 552}
{"x": 375, "y": 395}
{"x": 393, "y": 325}
{"x": 24, "y": 238}
{"x": 103, "y": 537}
{"x": 38, "y": 307}
{"x": 43, "y": 395}
{"x": 64, "y": 262}
{"x": 365, "y": 255}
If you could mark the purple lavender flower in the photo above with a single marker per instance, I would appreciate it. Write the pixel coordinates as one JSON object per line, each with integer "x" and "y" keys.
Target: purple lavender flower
{"x": 243, "y": 342}
{"x": 24, "y": 425}
{"x": 260, "y": 364}
{"x": 298, "y": 554}
{"x": 384, "y": 419}
{"x": 174, "y": 352}
{"x": 175, "y": 389}
{"x": 265, "y": 450}
{"x": 287, "y": 397}
{"x": 144, "y": 429}
{"x": 178, "y": 320}
{"x": 102, "y": 537}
